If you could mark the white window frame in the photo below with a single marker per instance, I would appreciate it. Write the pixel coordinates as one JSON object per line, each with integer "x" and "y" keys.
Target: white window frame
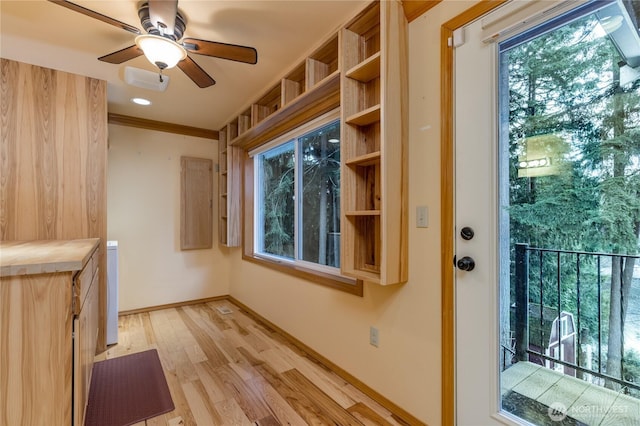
{"x": 293, "y": 135}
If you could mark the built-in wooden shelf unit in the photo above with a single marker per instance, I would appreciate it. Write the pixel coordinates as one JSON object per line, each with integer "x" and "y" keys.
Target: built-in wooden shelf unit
{"x": 374, "y": 159}
{"x": 229, "y": 183}
{"x": 362, "y": 68}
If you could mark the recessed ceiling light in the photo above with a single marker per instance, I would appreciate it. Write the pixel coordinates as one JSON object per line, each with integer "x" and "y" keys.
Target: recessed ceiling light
{"x": 334, "y": 140}
{"x": 141, "y": 101}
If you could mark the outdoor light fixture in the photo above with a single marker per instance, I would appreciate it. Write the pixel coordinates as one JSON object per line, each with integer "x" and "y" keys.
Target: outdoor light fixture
{"x": 540, "y": 162}
{"x": 609, "y": 24}
{"x": 162, "y": 52}
{"x": 616, "y": 21}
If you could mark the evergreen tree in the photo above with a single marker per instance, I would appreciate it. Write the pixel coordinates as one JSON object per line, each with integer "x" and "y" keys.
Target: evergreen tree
{"x": 565, "y": 100}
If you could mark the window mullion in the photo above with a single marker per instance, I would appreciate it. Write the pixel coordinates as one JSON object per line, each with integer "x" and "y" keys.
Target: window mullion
{"x": 297, "y": 229}
{"x": 258, "y": 220}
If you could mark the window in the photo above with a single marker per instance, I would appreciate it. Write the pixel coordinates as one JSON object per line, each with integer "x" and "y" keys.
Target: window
{"x": 295, "y": 208}
{"x": 297, "y": 199}
{"x": 564, "y": 327}
{"x": 275, "y": 201}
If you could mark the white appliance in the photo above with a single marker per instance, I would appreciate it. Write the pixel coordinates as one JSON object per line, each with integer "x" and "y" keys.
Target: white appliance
{"x": 112, "y": 292}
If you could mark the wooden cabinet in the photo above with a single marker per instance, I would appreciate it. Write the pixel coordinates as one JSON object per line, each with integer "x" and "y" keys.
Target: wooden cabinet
{"x": 54, "y": 159}
{"x": 49, "y": 327}
{"x": 196, "y": 203}
{"x": 374, "y": 145}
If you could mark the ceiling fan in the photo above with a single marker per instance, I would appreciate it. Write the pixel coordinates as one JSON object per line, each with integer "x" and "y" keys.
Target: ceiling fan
{"x": 163, "y": 44}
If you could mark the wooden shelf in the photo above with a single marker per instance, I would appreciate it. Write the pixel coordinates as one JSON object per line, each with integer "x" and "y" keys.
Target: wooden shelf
{"x": 324, "y": 97}
{"x": 365, "y": 117}
{"x": 229, "y": 182}
{"x": 363, "y": 274}
{"x": 334, "y": 75}
{"x": 267, "y": 105}
{"x": 370, "y": 159}
{"x": 373, "y": 138}
{"x": 244, "y": 121}
{"x": 293, "y": 84}
{"x": 366, "y": 70}
{"x": 323, "y": 62}
{"x": 363, "y": 213}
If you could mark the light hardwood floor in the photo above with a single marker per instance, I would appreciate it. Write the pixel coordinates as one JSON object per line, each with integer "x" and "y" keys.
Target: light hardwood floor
{"x": 227, "y": 369}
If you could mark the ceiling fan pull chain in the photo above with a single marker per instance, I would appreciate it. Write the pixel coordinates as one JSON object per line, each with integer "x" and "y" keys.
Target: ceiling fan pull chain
{"x": 160, "y": 75}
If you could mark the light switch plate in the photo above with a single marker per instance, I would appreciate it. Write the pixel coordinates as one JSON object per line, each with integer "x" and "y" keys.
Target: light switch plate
{"x": 422, "y": 217}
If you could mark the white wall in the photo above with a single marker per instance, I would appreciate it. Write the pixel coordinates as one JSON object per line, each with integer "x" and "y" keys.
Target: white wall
{"x": 143, "y": 214}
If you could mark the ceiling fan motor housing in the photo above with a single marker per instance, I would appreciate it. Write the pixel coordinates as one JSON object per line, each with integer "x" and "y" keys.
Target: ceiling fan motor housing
{"x": 151, "y": 28}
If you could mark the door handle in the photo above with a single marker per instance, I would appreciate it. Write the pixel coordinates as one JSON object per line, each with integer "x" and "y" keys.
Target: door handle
{"x": 466, "y": 264}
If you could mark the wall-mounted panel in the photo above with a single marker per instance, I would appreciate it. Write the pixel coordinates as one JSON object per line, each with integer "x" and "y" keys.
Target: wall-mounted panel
{"x": 196, "y": 203}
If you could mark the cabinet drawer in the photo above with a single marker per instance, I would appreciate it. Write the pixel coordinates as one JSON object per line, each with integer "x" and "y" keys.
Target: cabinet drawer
{"x": 82, "y": 282}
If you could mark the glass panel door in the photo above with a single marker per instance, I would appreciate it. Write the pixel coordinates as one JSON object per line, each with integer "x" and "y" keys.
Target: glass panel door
{"x": 569, "y": 102}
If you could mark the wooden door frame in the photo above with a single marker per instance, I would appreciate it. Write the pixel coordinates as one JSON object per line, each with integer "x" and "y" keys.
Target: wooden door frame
{"x": 447, "y": 202}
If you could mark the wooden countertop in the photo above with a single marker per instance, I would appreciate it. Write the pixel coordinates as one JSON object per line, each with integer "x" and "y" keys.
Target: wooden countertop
{"x": 45, "y": 256}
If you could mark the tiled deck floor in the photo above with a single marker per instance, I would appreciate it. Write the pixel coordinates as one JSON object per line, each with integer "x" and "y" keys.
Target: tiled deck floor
{"x": 584, "y": 402}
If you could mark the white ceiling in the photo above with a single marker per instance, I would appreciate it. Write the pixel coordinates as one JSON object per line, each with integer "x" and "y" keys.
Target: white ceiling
{"x": 42, "y": 33}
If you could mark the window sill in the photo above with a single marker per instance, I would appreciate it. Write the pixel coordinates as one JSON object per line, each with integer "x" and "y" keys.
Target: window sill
{"x": 348, "y": 285}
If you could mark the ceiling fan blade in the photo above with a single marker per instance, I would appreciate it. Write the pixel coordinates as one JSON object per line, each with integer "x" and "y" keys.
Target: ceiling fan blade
{"x": 232, "y": 52}
{"x": 122, "y": 55}
{"x": 195, "y": 73}
{"x": 96, "y": 15}
{"x": 163, "y": 11}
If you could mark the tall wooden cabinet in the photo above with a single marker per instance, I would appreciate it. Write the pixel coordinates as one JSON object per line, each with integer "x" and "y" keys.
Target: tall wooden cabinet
{"x": 49, "y": 329}
{"x": 54, "y": 159}
{"x": 374, "y": 91}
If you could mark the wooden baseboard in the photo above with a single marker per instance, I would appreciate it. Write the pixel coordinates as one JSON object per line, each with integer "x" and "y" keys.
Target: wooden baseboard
{"x": 172, "y": 305}
{"x": 397, "y": 412}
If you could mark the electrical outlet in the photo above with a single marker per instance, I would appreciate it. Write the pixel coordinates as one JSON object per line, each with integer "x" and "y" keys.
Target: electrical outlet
{"x": 374, "y": 336}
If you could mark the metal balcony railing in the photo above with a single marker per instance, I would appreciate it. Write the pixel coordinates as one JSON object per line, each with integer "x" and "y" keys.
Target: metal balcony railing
{"x": 559, "y": 296}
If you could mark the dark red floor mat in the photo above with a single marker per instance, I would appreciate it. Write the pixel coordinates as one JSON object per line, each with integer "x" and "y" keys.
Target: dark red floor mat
{"x": 127, "y": 389}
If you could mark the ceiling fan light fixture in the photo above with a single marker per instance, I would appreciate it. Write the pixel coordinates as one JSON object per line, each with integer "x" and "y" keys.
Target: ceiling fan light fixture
{"x": 161, "y": 51}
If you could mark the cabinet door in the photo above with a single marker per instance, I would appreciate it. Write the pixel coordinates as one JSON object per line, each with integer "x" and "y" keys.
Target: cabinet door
{"x": 35, "y": 349}
{"x": 196, "y": 203}
{"x": 85, "y": 328}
